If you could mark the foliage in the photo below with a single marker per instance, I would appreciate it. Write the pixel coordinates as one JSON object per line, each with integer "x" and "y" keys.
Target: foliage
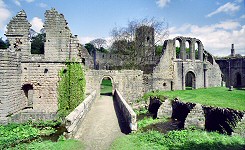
{"x": 148, "y": 121}
{"x": 71, "y": 88}
{"x": 90, "y": 48}
{"x": 37, "y": 45}
{"x": 14, "y": 133}
{"x": 184, "y": 140}
{"x": 217, "y": 97}
{"x": 48, "y": 145}
{"x": 4, "y": 44}
{"x": 158, "y": 50}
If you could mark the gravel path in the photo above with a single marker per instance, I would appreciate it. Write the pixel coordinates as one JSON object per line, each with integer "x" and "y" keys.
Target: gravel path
{"x": 101, "y": 125}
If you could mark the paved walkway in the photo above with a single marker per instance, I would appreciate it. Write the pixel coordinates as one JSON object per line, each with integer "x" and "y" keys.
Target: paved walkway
{"x": 101, "y": 125}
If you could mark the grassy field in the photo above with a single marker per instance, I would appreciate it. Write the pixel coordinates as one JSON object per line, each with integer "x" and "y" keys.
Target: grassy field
{"x": 49, "y": 145}
{"x": 178, "y": 140}
{"x": 106, "y": 86}
{"x": 218, "y": 97}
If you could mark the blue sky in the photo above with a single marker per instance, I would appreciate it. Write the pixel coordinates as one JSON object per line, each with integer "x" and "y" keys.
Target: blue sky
{"x": 217, "y": 23}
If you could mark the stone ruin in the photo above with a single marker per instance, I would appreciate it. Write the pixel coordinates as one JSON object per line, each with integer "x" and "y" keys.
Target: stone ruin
{"x": 29, "y": 81}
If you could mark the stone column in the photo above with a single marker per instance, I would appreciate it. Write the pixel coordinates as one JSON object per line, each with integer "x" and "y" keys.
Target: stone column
{"x": 200, "y": 51}
{"x": 192, "y": 49}
{"x": 182, "y": 50}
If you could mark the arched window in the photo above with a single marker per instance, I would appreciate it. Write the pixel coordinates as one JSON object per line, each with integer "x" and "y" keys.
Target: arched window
{"x": 196, "y": 50}
{"x": 188, "y": 50}
{"x": 177, "y": 48}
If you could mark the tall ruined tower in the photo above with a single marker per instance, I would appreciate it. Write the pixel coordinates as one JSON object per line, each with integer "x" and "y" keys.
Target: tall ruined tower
{"x": 232, "y": 51}
{"x": 144, "y": 40}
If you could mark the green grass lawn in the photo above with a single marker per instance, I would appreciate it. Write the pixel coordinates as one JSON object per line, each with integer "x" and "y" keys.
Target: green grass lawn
{"x": 217, "y": 97}
{"x": 178, "y": 140}
{"x": 49, "y": 145}
{"x": 106, "y": 86}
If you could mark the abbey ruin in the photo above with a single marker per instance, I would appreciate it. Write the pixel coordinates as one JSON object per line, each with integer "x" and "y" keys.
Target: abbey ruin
{"x": 29, "y": 81}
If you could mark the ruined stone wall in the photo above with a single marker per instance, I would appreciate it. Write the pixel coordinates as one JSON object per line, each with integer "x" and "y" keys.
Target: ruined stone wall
{"x": 29, "y": 81}
{"x": 231, "y": 68}
{"x": 163, "y": 73}
{"x": 10, "y": 90}
{"x": 171, "y": 72}
{"x": 128, "y": 82}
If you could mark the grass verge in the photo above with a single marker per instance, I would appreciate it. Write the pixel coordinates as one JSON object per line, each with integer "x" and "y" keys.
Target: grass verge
{"x": 216, "y": 97}
{"x": 106, "y": 86}
{"x": 178, "y": 140}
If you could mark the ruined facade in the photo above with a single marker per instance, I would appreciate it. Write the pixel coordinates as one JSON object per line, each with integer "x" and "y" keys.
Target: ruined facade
{"x": 233, "y": 69}
{"x": 29, "y": 81}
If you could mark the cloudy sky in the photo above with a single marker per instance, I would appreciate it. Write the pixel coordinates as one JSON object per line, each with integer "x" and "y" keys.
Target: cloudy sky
{"x": 217, "y": 23}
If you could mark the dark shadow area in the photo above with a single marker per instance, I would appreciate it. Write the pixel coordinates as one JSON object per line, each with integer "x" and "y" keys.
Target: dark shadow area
{"x": 180, "y": 111}
{"x": 121, "y": 121}
{"x": 106, "y": 94}
{"x": 163, "y": 127}
{"x": 154, "y": 105}
{"x": 221, "y": 120}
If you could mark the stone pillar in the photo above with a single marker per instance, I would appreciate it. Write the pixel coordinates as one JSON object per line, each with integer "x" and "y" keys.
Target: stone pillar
{"x": 195, "y": 118}
{"x": 192, "y": 49}
{"x": 165, "y": 110}
{"x": 182, "y": 50}
{"x": 200, "y": 51}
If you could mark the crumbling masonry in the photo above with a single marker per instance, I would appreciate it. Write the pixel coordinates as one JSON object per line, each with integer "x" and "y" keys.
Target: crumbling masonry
{"x": 28, "y": 87}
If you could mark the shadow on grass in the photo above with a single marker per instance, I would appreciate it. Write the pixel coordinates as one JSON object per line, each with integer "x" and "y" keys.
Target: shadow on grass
{"x": 106, "y": 94}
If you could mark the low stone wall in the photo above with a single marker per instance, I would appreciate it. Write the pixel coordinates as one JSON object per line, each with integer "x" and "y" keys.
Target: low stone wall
{"x": 195, "y": 118}
{"x": 74, "y": 119}
{"x": 240, "y": 128}
{"x": 127, "y": 111}
{"x": 165, "y": 110}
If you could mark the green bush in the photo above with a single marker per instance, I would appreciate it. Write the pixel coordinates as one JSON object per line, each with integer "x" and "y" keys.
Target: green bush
{"x": 71, "y": 88}
{"x": 14, "y": 133}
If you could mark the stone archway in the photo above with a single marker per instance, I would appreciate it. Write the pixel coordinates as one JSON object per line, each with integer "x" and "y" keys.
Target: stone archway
{"x": 238, "y": 80}
{"x": 106, "y": 86}
{"x": 190, "y": 80}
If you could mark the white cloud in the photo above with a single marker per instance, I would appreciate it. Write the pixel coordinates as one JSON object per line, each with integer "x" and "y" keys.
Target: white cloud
{"x": 216, "y": 38}
{"x": 43, "y": 5}
{"x": 242, "y": 17}
{"x": 4, "y": 14}
{"x": 37, "y": 24}
{"x": 162, "y": 3}
{"x": 30, "y": 1}
{"x": 226, "y": 8}
{"x": 17, "y": 2}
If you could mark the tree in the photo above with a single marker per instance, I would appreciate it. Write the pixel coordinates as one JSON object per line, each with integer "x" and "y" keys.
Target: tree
{"x": 4, "y": 44}
{"x": 90, "y": 48}
{"x": 37, "y": 44}
{"x": 126, "y": 40}
{"x": 98, "y": 43}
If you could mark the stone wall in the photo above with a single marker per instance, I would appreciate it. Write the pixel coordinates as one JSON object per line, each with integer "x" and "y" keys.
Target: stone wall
{"x": 10, "y": 89}
{"x": 233, "y": 71}
{"x": 127, "y": 111}
{"x": 240, "y": 128}
{"x": 128, "y": 82}
{"x": 195, "y": 118}
{"x": 165, "y": 110}
{"x": 75, "y": 118}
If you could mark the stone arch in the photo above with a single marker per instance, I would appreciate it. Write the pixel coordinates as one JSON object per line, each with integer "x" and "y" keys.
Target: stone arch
{"x": 112, "y": 82}
{"x": 198, "y": 50}
{"x": 190, "y": 80}
{"x": 28, "y": 94}
{"x": 178, "y": 43}
{"x": 188, "y": 48}
{"x": 238, "y": 80}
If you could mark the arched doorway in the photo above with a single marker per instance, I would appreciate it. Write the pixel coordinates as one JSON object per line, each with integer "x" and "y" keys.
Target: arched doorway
{"x": 238, "y": 80}
{"x": 28, "y": 91}
{"x": 106, "y": 86}
{"x": 190, "y": 81}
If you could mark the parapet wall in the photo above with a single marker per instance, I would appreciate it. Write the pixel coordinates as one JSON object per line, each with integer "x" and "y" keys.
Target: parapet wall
{"x": 75, "y": 118}
{"x": 127, "y": 111}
